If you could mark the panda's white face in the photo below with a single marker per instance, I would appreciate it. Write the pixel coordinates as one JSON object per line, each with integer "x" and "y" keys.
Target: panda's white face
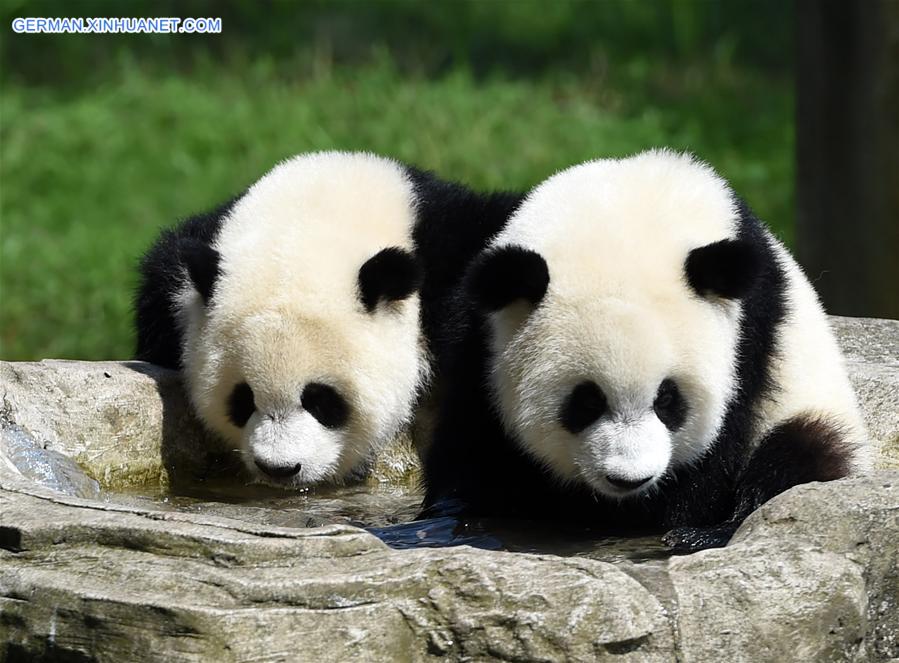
{"x": 308, "y": 357}
{"x": 601, "y": 391}
{"x": 614, "y": 370}
{"x": 292, "y": 411}
{"x": 304, "y": 400}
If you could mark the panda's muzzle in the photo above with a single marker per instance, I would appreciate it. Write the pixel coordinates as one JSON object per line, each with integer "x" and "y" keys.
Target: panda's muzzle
{"x": 624, "y": 457}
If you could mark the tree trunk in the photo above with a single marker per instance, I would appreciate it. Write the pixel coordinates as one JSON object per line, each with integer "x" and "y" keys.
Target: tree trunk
{"x": 847, "y": 125}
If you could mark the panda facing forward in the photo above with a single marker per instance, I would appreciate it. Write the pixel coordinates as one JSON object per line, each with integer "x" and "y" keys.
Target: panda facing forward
{"x": 299, "y": 311}
{"x": 653, "y": 358}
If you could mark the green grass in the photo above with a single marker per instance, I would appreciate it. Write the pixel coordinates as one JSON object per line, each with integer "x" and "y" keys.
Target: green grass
{"x": 89, "y": 175}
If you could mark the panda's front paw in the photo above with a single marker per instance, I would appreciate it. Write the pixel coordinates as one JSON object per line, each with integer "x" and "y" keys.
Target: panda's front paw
{"x": 685, "y": 540}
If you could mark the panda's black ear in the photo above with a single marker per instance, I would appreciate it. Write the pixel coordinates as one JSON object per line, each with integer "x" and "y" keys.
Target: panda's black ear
{"x": 202, "y": 262}
{"x": 501, "y": 276}
{"x": 728, "y": 268}
{"x": 390, "y": 275}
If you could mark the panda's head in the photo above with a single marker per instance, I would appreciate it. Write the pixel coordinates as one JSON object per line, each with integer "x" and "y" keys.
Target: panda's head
{"x": 303, "y": 344}
{"x": 613, "y": 304}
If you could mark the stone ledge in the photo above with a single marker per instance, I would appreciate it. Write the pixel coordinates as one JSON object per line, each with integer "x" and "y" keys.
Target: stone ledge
{"x": 871, "y": 348}
{"x": 127, "y": 584}
{"x": 812, "y": 575}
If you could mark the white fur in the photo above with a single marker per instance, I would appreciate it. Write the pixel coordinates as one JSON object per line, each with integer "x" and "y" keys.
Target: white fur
{"x": 615, "y": 234}
{"x": 286, "y": 312}
{"x": 808, "y": 369}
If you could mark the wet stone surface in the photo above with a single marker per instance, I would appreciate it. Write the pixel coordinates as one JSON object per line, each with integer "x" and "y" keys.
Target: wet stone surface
{"x": 45, "y": 467}
{"x": 134, "y": 578}
{"x": 388, "y": 512}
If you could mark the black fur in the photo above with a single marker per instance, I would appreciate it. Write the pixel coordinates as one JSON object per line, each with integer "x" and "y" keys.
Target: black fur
{"x": 202, "y": 263}
{"x": 241, "y": 405}
{"x": 502, "y": 276}
{"x": 162, "y": 275}
{"x": 803, "y": 449}
{"x": 800, "y": 450}
{"x": 454, "y": 225}
{"x": 585, "y": 404}
{"x": 727, "y": 268}
{"x": 324, "y": 403}
{"x": 670, "y": 406}
{"x": 392, "y": 274}
{"x": 473, "y": 465}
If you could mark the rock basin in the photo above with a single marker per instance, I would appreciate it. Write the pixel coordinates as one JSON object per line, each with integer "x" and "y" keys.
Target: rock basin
{"x": 121, "y": 538}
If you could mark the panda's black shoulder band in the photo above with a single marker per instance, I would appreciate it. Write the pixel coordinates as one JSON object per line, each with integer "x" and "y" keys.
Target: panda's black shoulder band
{"x": 509, "y": 273}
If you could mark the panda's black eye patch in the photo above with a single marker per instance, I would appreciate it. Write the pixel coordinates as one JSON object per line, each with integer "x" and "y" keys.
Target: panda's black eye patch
{"x": 584, "y": 405}
{"x": 241, "y": 405}
{"x": 670, "y": 406}
{"x": 325, "y": 404}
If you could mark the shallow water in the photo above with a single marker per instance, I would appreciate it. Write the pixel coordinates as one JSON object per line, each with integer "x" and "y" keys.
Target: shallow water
{"x": 385, "y": 510}
{"x": 362, "y": 506}
{"x": 388, "y": 513}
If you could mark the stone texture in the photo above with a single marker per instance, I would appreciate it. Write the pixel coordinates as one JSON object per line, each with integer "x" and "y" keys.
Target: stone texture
{"x": 856, "y": 520}
{"x": 811, "y": 576}
{"x": 124, "y": 423}
{"x": 44, "y": 466}
{"x": 872, "y": 357}
{"x": 868, "y": 340}
{"x": 764, "y": 603}
{"x": 116, "y": 584}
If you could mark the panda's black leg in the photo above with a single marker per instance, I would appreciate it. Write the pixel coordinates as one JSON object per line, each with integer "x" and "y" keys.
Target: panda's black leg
{"x": 798, "y": 451}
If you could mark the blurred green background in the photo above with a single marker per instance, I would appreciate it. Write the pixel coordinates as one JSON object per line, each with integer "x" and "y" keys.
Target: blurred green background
{"x": 104, "y": 139}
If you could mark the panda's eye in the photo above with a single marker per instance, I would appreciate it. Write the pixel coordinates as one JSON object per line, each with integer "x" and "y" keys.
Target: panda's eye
{"x": 325, "y": 404}
{"x": 585, "y": 404}
{"x": 670, "y": 406}
{"x": 241, "y": 405}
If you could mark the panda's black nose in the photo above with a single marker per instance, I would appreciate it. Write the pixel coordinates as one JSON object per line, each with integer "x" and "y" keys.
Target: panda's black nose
{"x": 626, "y": 484}
{"x": 278, "y": 471}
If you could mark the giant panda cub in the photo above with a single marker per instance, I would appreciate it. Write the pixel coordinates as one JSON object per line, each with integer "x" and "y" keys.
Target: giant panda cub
{"x": 295, "y": 312}
{"x": 636, "y": 351}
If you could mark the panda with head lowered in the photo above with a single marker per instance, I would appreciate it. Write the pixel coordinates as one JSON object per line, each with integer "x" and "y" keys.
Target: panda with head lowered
{"x": 300, "y": 311}
{"x": 636, "y": 351}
